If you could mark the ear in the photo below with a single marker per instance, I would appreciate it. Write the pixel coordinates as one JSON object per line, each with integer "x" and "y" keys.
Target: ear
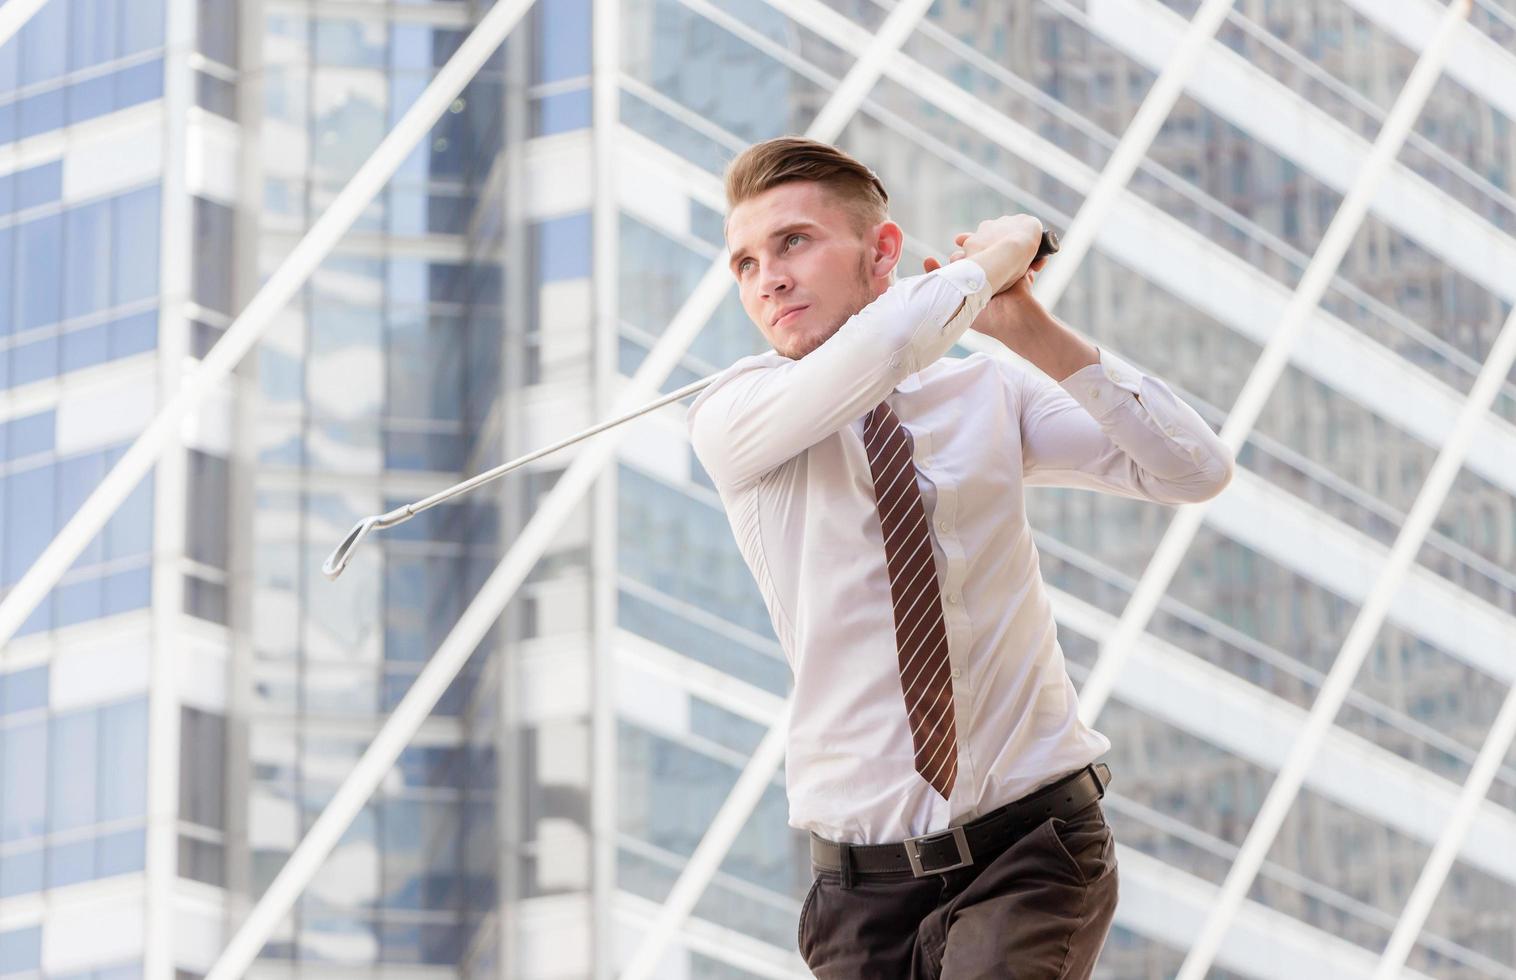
{"x": 885, "y": 249}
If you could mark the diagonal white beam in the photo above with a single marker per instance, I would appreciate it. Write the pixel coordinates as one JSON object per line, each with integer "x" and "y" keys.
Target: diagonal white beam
{"x": 14, "y": 15}
{"x": 1366, "y": 625}
{"x": 1128, "y": 154}
{"x": 246, "y": 330}
{"x": 1271, "y": 363}
{"x": 1435, "y": 871}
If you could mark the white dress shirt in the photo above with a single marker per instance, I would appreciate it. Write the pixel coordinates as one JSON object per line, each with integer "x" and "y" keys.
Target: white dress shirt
{"x": 783, "y": 442}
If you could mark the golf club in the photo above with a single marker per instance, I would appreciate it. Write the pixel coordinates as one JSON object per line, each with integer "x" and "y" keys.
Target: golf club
{"x": 343, "y": 553}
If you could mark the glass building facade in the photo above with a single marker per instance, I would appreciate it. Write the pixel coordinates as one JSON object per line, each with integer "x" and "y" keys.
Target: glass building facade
{"x": 185, "y": 702}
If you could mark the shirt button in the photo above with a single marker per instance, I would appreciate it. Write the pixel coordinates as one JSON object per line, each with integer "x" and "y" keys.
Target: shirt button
{"x": 953, "y": 598}
{"x": 944, "y": 526}
{"x": 957, "y": 673}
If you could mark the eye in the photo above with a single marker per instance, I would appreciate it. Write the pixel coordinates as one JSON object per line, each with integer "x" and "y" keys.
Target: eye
{"x": 793, "y": 238}
{"x": 743, "y": 265}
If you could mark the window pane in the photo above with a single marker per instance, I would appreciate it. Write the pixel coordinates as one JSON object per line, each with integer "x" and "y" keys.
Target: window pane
{"x": 72, "y": 763}
{"x": 39, "y": 249}
{"x": 123, "y": 760}
{"x": 202, "y": 788}
{"x": 21, "y": 949}
{"x": 87, "y": 259}
{"x": 23, "y": 690}
{"x": 93, "y": 35}
{"x": 23, "y": 780}
{"x": 143, "y": 29}
{"x": 135, "y": 248}
{"x": 44, "y": 43}
{"x": 28, "y": 518}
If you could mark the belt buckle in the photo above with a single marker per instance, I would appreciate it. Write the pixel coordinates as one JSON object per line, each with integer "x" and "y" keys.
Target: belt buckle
{"x": 959, "y": 838}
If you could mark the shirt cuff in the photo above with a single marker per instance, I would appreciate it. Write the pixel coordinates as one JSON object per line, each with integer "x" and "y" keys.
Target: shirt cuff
{"x": 1103, "y": 386}
{"x": 966, "y": 275}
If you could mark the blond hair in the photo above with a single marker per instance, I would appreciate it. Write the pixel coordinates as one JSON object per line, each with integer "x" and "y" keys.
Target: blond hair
{"x": 790, "y": 158}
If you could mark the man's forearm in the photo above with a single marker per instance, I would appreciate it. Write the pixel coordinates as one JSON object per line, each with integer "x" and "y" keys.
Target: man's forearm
{"x": 1044, "y": 340}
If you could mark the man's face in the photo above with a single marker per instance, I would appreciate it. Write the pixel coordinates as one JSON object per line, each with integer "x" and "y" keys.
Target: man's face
{"x": 803, "y": 266}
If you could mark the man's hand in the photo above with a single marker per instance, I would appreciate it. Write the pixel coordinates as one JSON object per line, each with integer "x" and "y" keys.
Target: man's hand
{"x": 1013, "y": 315}
{"x": 1004, "y": 247}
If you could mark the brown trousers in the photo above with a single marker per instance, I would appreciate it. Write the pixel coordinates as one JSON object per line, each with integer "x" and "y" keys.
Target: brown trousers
{"x": 1040, "y": 908}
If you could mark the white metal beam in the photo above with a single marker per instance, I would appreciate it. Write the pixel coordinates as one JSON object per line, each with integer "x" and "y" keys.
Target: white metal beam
{"x": 1265, "y": 374}
{"x": 255, "y": 319}
{"x": 14, "y": 15}
{"x": 1129, "y": 152}
{"x": 1435, "y": 871}
{"x": 1371, "y": 615}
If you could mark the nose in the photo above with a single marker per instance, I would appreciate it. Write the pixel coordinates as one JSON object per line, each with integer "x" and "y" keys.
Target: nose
{"x": 776, "y": 282}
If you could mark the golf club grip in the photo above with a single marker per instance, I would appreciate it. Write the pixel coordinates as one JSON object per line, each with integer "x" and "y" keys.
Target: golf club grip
{"x": 1048, "y": 245}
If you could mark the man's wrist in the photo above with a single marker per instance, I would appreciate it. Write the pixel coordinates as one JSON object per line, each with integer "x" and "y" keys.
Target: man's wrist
{"x": 1053, "y": 347}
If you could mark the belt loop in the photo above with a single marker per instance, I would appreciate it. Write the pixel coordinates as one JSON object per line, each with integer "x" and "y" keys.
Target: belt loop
{"x": 845, "y": 858}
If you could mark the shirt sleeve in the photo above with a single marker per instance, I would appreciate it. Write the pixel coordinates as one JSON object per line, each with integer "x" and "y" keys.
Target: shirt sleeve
{"x": 1110, "y": 427}
{"x": 756, "y": 417}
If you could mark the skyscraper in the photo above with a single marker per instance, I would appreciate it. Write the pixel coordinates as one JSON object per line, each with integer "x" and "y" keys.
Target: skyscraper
{"x": 183, "y": 705}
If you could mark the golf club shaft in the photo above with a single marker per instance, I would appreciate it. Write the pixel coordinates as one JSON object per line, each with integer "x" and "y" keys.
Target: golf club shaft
{"x": 338, "y": 559}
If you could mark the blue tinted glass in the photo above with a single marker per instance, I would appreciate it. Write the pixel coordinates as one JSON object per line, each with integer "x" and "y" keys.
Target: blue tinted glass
{"x": 21, "y": 872}
{"x": 30, "y": 434}
{"x": 10, "y": 65}
{"x": 23, "y": 780}
{"x": 21, "y": 950}
{"x": 563, "y": 40}
{"x": 7, "y": 294}
{"x": 120, "y": 853}
{"x": 28, "y": 518}
{"x": 9, "y": 122}
{"x": 563, "y": 112}
{"x": 44, "y": 43}
{"x": 40, "y": 113}
{"x": 563, "y": 248}
{"x": 86, "y": 347}
{"x": 77, "y": 478}
{"x": 34, "y": 361}
{"x": 410, "y": 46}
{"x": 78, "y": 602}
{"x": 39, "y": 185}
{"x": 87, "y": 259}
{"x": 39, "y": 248}
{"x": 92, "y": 33}
{"x": 139, "y": 84}
{"x": 70, "y": 863}
{"x": 91, "y": 97}
{"x": 355, "y": 43}
{"x": 134, "y": 246}
{"x": 123, "y": 761}
{"x": 125, "y": 591}
{"x": 71, "y": 782}
{"x": 141, "y": 26}
{"x": 23, "y": 690}
{"x": 133, "y": 334}
{"x": 130, "y": 530}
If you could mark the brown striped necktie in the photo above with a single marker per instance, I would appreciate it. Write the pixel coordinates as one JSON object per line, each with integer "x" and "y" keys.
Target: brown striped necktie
{"x": 920, "y": 635}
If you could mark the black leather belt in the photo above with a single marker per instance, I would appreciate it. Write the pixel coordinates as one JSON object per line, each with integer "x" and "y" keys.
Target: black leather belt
{"x": 955, "y": 847}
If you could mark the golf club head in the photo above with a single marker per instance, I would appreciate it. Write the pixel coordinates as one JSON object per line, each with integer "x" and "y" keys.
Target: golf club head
{"x": 338, "y": 559}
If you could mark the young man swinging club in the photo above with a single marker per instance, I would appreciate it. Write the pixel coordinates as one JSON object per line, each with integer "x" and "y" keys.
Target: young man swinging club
{"x": 935, "y": 751}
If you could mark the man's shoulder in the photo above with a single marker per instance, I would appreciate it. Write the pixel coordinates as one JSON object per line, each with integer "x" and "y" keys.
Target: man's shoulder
{"x": 766, "y": 360}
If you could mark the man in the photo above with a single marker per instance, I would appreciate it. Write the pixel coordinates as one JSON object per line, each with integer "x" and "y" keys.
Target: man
{"x": 935, "y": 751}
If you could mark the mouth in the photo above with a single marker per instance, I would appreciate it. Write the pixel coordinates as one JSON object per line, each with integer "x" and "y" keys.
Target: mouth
{"x": 786, "y": 318}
